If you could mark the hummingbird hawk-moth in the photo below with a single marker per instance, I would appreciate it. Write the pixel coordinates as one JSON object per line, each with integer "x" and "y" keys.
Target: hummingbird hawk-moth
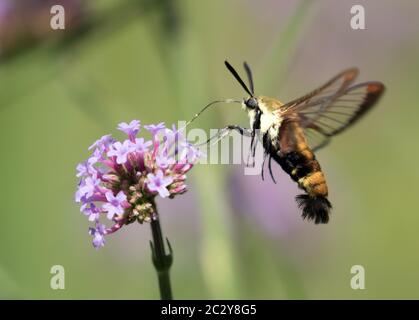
{"x": 291, "y": 132}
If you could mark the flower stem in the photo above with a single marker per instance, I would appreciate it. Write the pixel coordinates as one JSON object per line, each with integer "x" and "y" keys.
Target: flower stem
{"x": 162, "y": 261}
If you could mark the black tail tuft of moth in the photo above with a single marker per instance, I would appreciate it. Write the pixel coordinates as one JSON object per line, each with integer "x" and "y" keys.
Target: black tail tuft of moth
{"x": 314, "y": 208}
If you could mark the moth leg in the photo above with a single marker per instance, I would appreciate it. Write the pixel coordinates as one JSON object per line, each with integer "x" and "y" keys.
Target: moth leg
{"x": 270, "y": 169}
{"x": 252, "y": 150}
{"x": 222, "y": 133}
{"x": 246, "y": 132}
{"x": 265, "y": 155}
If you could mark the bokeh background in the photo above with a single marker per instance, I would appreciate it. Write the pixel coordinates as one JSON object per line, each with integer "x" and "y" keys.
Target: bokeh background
{"x": 234, "y": 236}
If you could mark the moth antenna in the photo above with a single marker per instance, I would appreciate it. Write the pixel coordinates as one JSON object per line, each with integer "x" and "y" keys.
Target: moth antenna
{"x": 206, "y": 107}
{"x": 249, "y": 77}
{"x": 238, "y": 78}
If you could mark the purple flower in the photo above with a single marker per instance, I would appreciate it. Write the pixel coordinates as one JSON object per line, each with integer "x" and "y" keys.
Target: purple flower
{"x": 98, "y": 235}
{"x": 121, "y": 151}
{"x": 87, "y": 188}
{"x": 158, "y": 183}
{"x": 169, "y": 137}
{"x": 85, "y": 169}
{"x": 155, "y": 128}
{"x": 130, "y": 129}
{"x": 189, "y": 153}
{"x": 141, "y": 146}
{"x": 91, "y": 211}
{"x": 122, "y": 178}
{"x": 115, "y": 204}
{"x": 95, "y": 157}
{"x": 174, "y": 140}
{"x": 102, "y": 143}
{"x": 164, "y": 162}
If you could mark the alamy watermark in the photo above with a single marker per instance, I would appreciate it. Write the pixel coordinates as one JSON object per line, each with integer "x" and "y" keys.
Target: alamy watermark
{"x": 57, "y": 281}
{"x": 358, "y": 19}
{"x": 358, "y": 278}
{"x": 226, "y": 146}
{"x": 57, "y": 21}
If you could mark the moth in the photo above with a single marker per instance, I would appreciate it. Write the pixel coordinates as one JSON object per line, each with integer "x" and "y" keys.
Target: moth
{"x": 292, "y": 132}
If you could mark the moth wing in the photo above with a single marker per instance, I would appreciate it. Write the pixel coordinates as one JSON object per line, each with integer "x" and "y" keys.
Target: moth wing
{"x": 333, "y": 107}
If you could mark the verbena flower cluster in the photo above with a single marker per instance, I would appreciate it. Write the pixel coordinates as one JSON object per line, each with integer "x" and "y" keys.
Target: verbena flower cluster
{"x": 121, "y": 179}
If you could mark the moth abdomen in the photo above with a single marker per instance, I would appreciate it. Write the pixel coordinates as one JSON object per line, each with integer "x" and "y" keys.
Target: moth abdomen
{"x": 304, "y": 169}
{"x": 314, "y": 208}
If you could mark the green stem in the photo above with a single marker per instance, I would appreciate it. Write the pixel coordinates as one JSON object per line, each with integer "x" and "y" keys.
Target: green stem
{"x": 162, "y": 261}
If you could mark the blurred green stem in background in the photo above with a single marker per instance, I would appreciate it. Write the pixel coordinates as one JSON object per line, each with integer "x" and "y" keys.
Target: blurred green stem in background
{"x": 179, "y": 51}
{"x": 216, "y": 252}
{"x": 276, "y": 60}
{"x": 162, "y": 261}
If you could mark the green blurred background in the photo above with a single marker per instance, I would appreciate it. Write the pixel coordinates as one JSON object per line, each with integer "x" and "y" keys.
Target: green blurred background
{"x": 233, "y": 236}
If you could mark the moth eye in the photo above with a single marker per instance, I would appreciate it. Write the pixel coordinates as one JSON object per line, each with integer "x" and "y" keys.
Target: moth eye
{"x": 251, "y": 103}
